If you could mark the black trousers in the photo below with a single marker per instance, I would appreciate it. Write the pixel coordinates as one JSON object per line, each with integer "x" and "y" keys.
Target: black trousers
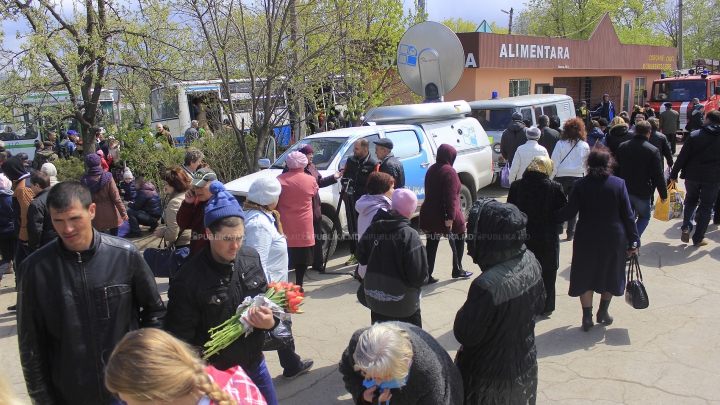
{"x": 673, "y": 142}
{"x": 318, "y": 254}
{"x": 716, "y": 218}
{"x": 431, "y": 246}
{"x": 414, "y": 319}
{"x": 567, "y": 184}
{"x": 352, "y": 219}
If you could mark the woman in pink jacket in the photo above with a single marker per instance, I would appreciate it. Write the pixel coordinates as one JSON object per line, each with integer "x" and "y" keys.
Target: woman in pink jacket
{"x": 296, "y": 213}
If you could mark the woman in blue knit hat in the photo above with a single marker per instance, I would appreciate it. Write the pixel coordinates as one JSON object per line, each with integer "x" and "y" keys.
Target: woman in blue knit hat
{"x": 209, "y": 287}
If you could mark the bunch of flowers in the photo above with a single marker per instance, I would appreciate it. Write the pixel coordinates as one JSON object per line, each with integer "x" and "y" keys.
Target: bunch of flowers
{"x": 282, "y": 298}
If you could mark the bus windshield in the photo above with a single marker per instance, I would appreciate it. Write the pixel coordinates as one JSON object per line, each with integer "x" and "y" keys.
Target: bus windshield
{"x": 324, "y": 149}
{"x": 680, "y": 90}
{"x": 493, "y": 120}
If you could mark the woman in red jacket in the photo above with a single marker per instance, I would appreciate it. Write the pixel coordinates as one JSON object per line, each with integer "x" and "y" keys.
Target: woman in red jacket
{"x": 296, "y": 213}
{"x": 441, "y": 210}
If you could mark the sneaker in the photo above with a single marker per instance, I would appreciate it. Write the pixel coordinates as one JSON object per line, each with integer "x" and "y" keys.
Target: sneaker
{"x": 10, "y": 269}
{"x": 685, "y": 236}
{"x": 12, "y": 308}
{"x": 153, "y": 227}
{"x": 432, "y": 280}
{"x": 307, "y": 365}
{"x": 351, "y": 261}
{"x": 703, "y": 242}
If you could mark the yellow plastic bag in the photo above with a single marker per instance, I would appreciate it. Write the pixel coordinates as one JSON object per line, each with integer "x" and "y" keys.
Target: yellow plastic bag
{"x": 662, "y": 210}
{"x": 676, "y": 198}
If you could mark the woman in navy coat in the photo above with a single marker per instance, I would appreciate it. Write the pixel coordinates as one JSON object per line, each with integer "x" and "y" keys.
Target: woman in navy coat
{"x": 605, "y": 235}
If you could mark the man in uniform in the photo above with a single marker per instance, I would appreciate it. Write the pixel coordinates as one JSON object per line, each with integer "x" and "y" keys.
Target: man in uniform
{"x": 356, "y": 173}
{"x": 388, "y": 162}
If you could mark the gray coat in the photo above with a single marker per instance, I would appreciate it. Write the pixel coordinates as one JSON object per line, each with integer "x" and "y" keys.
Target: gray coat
{"x": 433, "y": 378}
{"x": 669, "y": 122}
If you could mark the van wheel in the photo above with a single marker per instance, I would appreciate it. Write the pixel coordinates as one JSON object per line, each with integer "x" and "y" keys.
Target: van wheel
{"x": 329, "y": 236}
{"x": 466, "y": 201}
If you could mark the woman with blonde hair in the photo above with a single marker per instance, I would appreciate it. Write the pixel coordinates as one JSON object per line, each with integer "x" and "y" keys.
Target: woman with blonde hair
{"x": 150, "y": 366}
{"x": 400, "y": 361}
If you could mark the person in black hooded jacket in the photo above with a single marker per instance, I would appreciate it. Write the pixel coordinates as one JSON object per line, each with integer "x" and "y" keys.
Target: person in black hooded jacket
{"x": 619, "y": 133}
{"x": 513, "y": 137}
{"x": 397, "y": 265}
{"x": 495, "y": 326}
{"x": 40, "y": 228}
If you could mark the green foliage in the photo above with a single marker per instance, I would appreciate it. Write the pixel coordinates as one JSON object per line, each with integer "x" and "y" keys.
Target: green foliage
{"x": 145, "y": 157}
{"x": 498, "y": 29}
{"x": 460, "y": 24}
{"x": 69, "y": 169}
{"x": 224, "y": 155}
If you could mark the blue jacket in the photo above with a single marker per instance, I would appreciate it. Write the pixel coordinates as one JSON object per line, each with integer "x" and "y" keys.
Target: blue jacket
{"x": 129, "y": 193}
{"x": 6, "y": 212}
{"x": 148, "y": 200}
{"x": 595, "y": 135}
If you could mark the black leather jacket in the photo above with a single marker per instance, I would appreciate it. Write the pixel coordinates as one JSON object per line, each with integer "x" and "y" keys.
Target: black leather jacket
{"x": 359, "y": 171}
{"x": 39, "y": 225}
{"x": 200, "y": 298}
{"x": 392, "y": 166}
{"x": 73, "y": 308}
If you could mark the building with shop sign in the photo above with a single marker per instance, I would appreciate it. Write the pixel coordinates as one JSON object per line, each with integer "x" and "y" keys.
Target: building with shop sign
{"x": 514, "y": 65}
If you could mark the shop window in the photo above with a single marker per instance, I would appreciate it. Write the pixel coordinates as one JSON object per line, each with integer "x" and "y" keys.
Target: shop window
{"x": 543, "y": 88}
{"x": 639, "y": 89}
{"x": 519, "y": 87}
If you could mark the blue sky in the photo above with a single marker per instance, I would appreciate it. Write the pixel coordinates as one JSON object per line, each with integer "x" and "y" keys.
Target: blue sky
{"x": 474, "y": 10}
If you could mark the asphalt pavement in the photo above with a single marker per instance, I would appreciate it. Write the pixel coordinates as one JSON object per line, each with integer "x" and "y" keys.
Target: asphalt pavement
{"x": 666, "y": 354}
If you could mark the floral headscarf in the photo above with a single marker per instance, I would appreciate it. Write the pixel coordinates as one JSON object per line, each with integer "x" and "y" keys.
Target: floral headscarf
{"x": 541, "y": 164}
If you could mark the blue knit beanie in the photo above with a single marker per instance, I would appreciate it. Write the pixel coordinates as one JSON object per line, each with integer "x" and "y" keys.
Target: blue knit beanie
{"x": 221, "y": 205}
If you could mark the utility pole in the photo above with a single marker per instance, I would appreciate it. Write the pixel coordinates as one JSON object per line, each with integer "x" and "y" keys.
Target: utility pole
{"x": 422, "y": 6}
{"x": 510, "y": 13}
{"x": 680, "y": 35}
{"x": 299, "y": 100}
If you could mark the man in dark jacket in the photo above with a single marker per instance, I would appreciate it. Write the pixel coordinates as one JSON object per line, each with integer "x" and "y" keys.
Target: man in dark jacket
{"x": 659, "y": 141}
{"x": 606, "y": 108}
{"x": 397, "y": 266}
{"x": 548, "y": 137}
{"x": 618, "y": 134}
{"x": 78, "y": 297}
{"x": 388, "y": 162}
{"x": 495, "y": 326}
{"x": 699, "y": 160}
{"x": 695, "y": 116}
{"x": 45, "y": 155}
{"x": 669, "y": 124}
{"x": 641, "y": 168}
{"x": 40, "y": 228}
{"x": 356, "y": 174}
{"x": 209, "y": 287}
{"x": 513, "y": 137}
{"x": 146, "y": 209}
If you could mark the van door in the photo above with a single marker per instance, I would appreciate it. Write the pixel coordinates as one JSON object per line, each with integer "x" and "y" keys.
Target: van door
{"x": 407, "y": 147}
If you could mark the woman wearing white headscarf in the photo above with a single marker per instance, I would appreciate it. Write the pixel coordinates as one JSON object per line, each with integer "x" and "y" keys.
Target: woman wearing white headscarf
{"x": 50, "y": 170}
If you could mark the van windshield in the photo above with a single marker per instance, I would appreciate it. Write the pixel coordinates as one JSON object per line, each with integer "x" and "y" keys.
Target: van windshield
{"x": 493, "y": 120}
{"x": 680, "y": 90}
{"x": 324, "y": 150}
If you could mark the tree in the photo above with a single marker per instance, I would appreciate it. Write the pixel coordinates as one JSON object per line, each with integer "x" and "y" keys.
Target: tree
{"x": 460, "y": 25}
{"x": 79, "y": 51}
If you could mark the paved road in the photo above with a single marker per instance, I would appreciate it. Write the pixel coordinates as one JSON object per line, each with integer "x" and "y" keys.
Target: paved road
{"x": 666, "y": 354}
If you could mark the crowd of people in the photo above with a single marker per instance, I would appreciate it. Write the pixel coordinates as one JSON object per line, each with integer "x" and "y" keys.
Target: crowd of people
{"x": 92, "y": 326}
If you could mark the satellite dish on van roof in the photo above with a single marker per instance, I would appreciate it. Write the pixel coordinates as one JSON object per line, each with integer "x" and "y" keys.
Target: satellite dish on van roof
{"x": 430, "y": 59}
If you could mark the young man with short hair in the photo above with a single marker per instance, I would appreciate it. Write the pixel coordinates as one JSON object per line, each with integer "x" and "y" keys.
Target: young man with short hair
{"x": 77, "y": 298}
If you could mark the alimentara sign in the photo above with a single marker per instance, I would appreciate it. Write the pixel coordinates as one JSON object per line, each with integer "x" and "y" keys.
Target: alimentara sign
{"x": 534, "y": 51}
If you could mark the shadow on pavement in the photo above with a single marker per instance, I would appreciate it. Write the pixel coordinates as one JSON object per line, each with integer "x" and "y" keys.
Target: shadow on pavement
{"x": 571, "y": 338}
{"x": 323, "y": 382}
{"x": 448, "y": 342}
{"x": 671, "y": 254}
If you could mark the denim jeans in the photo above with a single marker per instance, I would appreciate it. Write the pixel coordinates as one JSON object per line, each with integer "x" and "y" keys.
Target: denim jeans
{"x": 261, "y": 377}
{"x": 704, "y": 193}
{"x": 137, "y": 218}
{"x": 642, "y": 208}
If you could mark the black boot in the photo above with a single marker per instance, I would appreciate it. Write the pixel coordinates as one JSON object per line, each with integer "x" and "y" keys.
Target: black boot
{"x": 587, "y": 321}
{"x": 602, "y": 313}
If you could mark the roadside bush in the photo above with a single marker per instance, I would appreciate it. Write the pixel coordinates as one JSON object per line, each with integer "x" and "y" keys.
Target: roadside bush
{"x": 222, "y": 152}
{"x": 139, "y": 152}
{"x": 69, "y": 169}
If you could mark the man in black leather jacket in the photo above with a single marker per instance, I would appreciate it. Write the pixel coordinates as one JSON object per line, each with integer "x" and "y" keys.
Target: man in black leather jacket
{"x": 356, "y": 174}
{"x": 388, "y": 162}
{"x": 81, "y": 295}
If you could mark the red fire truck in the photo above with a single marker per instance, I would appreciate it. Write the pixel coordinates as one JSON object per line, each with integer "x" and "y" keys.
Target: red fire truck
{"x": 700, "y": 82}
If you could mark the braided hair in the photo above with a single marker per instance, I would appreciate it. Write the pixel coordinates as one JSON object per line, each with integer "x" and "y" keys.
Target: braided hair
{"x": 149, "y": 365}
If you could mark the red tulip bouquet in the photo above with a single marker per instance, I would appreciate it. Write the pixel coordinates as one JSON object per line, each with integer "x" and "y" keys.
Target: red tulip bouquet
{"x": 282, "y": 298}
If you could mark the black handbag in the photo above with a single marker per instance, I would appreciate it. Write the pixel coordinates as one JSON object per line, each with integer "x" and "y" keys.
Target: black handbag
{"x": 165, "y": 262}
{"x": 635, "y": 294}
{"x": 279, "y": 338}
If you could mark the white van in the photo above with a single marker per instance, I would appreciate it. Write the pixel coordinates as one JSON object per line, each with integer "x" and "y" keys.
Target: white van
{"x": 496, "y": 114}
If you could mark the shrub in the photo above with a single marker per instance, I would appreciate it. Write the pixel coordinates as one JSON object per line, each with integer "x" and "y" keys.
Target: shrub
{"x": 222, "y": 152}
{"x": 69, "y": 169}
{"x": 141, "y": 153}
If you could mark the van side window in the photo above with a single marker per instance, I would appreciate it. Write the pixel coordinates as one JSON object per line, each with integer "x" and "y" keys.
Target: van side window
{"x": 538, "y": 112}
{"x": 550, "y": 110}
{"x": 527, "y": 115}
{"x": 371, "y": 138}
{"x": 405, "y": 143}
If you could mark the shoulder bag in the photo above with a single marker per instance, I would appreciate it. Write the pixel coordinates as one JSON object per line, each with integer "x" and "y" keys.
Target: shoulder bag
{"x": 164, "y": 261}
{"x": 635, "y": 294}
{"x": 568, "y": 154}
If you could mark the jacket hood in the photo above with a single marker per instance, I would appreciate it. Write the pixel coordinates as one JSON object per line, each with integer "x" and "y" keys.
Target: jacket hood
{"x": 446, "y": 154}
{"x": 714, "y": 129}
{"x": 501, "y": 234}
{"x": 619, "y": 130}
{"x": 148, "y": 186}
{"x": 388, "y": 221}
{"x": 596, "y": 133}
{"x": 516, "y": 126}
{"x": 368, "y": 202}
